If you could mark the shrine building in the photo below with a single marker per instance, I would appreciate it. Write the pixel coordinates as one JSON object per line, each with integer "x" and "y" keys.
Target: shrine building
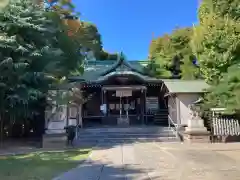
{"x": 123, "y": 93}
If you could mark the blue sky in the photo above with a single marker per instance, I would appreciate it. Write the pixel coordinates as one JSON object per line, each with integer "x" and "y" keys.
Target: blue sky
{"x": 129, "y": 25}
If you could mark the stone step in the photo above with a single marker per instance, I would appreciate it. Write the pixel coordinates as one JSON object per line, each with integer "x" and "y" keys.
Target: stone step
{"x": 161, "y": 122}
{"x": 120, "y": 140}
{"x": 124, "y": 137}
{"x": 166, "y": 133}
{"x": 125, "y": 133}
{"x": 125, "y": 130}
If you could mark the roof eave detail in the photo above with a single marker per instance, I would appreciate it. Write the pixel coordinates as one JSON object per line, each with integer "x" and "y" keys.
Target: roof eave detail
{"x": 117, "y": 64}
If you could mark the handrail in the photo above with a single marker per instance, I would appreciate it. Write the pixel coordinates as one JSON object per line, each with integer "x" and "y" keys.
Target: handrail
{"x": 176, "y": 126}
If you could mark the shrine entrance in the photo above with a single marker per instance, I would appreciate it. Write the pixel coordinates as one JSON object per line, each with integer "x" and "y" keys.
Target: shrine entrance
{"x": 124, "y": 105}
{"x": 123, "y": 95}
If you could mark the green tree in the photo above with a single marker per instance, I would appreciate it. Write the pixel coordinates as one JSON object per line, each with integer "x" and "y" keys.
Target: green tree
{"x": 90, "y": 38}
{"x": 159, "y": 51}
{"x": 227, "y": 92}
{"x": 174, "y": 54}
{"x": 35, "y": 53}
{"x": 216, "y": 43}
{"x": 153, "y": 69}
{"x": 85, "y": 33}
{"x": 229, "y": 8}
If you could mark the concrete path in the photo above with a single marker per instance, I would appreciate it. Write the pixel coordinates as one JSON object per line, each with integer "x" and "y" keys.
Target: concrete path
{"x": 159, "y": 161}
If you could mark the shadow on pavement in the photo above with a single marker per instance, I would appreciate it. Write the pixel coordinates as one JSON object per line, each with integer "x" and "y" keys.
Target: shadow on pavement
{"x": 113, "y": 136}
{"x": 98, "y": 171}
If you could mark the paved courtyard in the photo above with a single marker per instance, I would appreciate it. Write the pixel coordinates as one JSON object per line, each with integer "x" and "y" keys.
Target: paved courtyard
{"x": 159, "y": 161}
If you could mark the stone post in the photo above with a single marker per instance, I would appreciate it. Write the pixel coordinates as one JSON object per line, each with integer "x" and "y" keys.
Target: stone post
{"x": 196, "y": 131}
{"x": 55, "y": 134}
{"x": 56, "y": 120}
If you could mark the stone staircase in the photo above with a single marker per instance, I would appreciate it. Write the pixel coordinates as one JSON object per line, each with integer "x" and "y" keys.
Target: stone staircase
{"x": 161, "y": 117}
{"x": 126, "y": 134}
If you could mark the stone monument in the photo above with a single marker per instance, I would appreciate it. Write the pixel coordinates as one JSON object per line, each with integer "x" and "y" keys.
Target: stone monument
{"x": 55, "y": 133}
{"x": 196, "y": 131}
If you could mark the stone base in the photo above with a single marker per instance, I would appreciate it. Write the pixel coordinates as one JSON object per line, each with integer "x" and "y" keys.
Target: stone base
{"x": 197, "y": 137}
{"x": 226, "y": 139}
{"x": 196, "y": 130}
{"x": 123, "y": 121}
{"x": 54, "y": 141}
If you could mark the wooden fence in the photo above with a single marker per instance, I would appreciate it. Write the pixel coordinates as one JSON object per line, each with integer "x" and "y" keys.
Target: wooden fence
{"x": 224, "y": 128}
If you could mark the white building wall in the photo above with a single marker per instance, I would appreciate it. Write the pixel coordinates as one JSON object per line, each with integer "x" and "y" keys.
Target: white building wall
{"x": 172, "y": 108}
{"x": 184, "y": 100}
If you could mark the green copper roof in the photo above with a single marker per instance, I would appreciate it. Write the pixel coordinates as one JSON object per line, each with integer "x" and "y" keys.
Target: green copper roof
{"x": 96, "y": 70}
{"x": 185, "y": 86}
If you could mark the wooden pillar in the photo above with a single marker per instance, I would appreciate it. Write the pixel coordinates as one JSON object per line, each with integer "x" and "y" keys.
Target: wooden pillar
{"x": 105, "y": 102}
{"x": 102, "y": 100}
{"x": 142, "y": 102}
{"x": 144, "y": 105}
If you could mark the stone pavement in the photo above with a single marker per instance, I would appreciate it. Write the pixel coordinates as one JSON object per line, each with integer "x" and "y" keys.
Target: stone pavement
{"x": 159, "y": 161}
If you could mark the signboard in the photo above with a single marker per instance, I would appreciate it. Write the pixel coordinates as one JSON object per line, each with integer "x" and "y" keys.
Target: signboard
{"x": 103, "y": 108}
{"x": 152, "y": 103}
{"x": 123, "y": 93}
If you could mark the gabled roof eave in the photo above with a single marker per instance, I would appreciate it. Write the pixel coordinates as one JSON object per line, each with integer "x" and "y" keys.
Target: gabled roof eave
{"x": 117, "y": 64}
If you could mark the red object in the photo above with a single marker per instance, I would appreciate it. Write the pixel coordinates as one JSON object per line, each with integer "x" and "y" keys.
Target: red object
{"x": 70, "y": 33}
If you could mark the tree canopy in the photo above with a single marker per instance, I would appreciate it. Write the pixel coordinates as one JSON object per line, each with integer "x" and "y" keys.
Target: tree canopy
{"x": 83, "y": 32}
{"x": 208, "y": 50}
{"x": 229, "y": 8}
{"x": 172, "y": 52}
{"x": 36, "y": 53}
{"x": 216, "y": 43}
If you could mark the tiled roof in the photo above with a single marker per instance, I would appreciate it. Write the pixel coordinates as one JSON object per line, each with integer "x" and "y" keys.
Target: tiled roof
{"x": 96, "y": 70}
{"x": 185, "y": 86}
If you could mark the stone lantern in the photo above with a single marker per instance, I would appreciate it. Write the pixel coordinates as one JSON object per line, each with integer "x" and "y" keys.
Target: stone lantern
{"x": 196, "y": 131}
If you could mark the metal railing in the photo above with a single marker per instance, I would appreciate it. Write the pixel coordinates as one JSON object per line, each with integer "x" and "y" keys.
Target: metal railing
{"x": 173, "y": 126}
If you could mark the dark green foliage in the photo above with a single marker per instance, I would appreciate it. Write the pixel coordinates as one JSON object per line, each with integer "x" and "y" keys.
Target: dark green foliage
{"x": 227, "y": 92}
{"x": 174, "y": 55}
{"x": 35, "y": 53}
{"x": 103, "y": 55}
{"x": 175, "y": 67}
{"x": 153, "y": 69}
{"x": 216, "y": 43}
